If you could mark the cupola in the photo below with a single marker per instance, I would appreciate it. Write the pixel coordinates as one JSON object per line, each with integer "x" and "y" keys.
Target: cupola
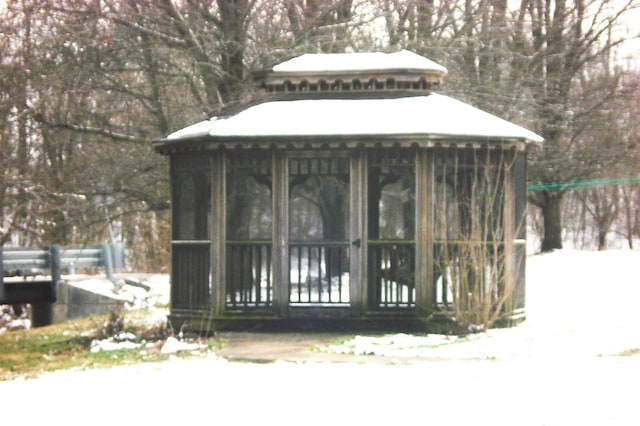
{"x": 340, "y": 72}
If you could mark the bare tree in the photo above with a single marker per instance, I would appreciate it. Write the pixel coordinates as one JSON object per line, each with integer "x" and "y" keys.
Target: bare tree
{"x": 320, "y": 26}
{"x": 87, "y": 84}
{"x": 565, "y": 38}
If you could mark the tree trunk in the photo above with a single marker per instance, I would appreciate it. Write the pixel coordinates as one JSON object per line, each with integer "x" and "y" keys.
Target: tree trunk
{"x": 233, "y": 24}
{"x": 552, "y": 217}
{"x": 628, "y": 215}
{"x": 602, "y": 240}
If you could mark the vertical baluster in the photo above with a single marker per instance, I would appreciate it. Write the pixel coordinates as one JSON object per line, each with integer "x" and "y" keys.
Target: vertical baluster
{"x": 249, "y": 271}
{"x": 188, "y": 272}
{"x": 237, "y": 276}
{"x": 206, "y": 279}
{"x": 389, "y": 276}
{"x": 339, "y": 254}
{"x": 308, "y": 281}
{"x": 197, "y": 272}
{"x": 269, "y": 271}
{"x": 235, "y": 279}
{"x": 299, "y": 256}
{"x": 243, "y": 294}
{"x": 328, "y": 257}
{"x": 412, "y": 262}
{"x": 246, "y": 275}
{"x": 375, "y": 274}
{"x": 241, "y": 277}
{"x": 320, "y": 249}
{"x": 383, "y": 271}
{"x": 291, "y": 250}
{"x": 257, "y": 274}
{"x": 290, "y": 285}
{"x": 382, "y": 253}
{"x": 395, "y": 266}
{"x": 231, "y": 279}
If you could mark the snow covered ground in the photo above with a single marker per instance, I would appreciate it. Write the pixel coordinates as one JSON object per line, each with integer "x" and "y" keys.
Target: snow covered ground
{"x": 579, "y": 305}
{"x": 575, "y": 361}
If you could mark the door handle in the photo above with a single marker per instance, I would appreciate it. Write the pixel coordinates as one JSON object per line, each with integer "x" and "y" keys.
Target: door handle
{"x": 356, "y": 243}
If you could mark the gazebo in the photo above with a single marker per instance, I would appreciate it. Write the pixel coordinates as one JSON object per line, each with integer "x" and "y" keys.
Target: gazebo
{"x": 348, "y": 194}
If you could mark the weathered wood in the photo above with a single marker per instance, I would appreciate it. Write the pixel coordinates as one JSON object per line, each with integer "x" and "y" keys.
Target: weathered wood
{"x": 510, "y": 276}
{"x": 218, "y": 233}
{"x": 190, "y": 269}
{"x": 425, "y": 199}
{"x": 357, "y": 234}
{"x": 280, "y": 233}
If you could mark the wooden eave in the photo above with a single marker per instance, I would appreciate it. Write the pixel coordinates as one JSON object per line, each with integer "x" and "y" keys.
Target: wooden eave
{"x": 310, "y": 142}
{"x": 404, "y": 75}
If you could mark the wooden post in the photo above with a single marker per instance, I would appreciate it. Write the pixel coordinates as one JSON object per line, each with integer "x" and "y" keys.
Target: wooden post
{"x": 217, "y": 233}
{"x": 520, "y": 223}
{"x": 424, "y": 232}
{"x": 508, "y": 256}
{"x": 280, "y": 234}
{"x": 358, "y": 234}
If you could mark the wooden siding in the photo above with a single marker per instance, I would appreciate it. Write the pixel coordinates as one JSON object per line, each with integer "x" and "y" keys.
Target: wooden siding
{"x": 190, "y": 274}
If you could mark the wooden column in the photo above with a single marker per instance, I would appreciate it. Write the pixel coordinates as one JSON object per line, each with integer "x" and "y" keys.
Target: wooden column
{"x": 520, "y": 224}
{"x": 424, "y": 232}
{"x": 510, "y": 270}
{"x": 280, "y": 229}
{"x": 358, "y": 234}
{"x": 217, "y": 232}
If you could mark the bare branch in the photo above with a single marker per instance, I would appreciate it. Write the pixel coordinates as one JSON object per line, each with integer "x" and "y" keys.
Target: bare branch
{"x": 94, "y": 131}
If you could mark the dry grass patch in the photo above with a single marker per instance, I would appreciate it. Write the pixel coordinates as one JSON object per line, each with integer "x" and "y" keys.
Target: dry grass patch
{"x": 27, "y": 353}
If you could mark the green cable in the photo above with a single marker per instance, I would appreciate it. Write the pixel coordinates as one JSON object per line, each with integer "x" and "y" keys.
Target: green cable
{"x": 561, "y": 186}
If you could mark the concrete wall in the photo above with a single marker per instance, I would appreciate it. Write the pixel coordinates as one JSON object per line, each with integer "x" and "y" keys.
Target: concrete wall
{"x": 74, "y": 302}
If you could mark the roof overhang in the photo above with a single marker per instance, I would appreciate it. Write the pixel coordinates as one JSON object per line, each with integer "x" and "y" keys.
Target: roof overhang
{"x": 401, "y": 66}
{"x": 422, "y": 120}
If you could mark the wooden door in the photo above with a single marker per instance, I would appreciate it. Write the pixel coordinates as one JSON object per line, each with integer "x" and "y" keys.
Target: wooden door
{"x": 319, "y": 230}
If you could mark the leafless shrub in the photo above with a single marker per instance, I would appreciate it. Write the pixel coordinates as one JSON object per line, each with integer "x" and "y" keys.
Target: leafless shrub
{"x": 475, "y": 267}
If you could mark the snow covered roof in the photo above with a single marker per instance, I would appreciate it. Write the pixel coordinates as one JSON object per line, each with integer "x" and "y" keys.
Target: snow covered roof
{"x": 402, "y": 66}
{"x": 423, "y": 119}
{"x": 345, "y": 62}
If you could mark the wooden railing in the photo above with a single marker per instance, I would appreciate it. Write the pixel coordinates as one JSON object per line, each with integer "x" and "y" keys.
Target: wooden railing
{"x": 391, "y": 274}
{"x": 190, "y": 275}
{"x": 319, "y": 273}
{"x": 249, "y": 276}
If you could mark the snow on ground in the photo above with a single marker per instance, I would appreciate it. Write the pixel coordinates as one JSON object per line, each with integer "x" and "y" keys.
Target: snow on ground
{"x": 145, "y": 296}
{"x": 563, "y": 366}
{"x": 579, "y": 304}
{"x": 139, "y": 291}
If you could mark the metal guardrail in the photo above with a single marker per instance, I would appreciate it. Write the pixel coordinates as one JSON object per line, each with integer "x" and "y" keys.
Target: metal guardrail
{"x": 50, "y": 261}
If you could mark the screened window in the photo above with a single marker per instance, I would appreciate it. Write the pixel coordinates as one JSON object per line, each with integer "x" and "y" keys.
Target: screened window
{"x": 191, "y": 199}
{"x": 391, "y": 217}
